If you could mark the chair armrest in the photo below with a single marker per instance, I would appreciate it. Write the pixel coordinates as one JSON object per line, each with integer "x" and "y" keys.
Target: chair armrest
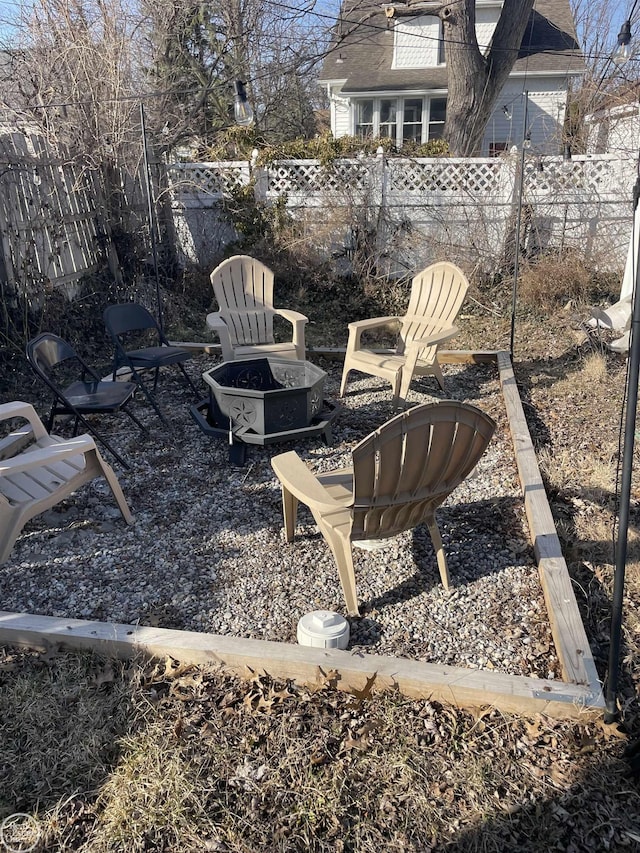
{"x": 294, "y": 317}
{"x": 359, "y": 326}
{"x": 47, "y": 455}
{"x": 374, "y": 323}
{"x": 15, "y": 442}
{"x": 437, "y": 337}
{"x": 217, "y": 324}
{"x": 301, "y": 482}
{"x": 18, "y": 409}
{"x": 298, "y": 322}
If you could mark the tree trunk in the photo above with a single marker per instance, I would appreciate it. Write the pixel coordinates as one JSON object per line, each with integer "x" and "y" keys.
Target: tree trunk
{"x": 476, "y": 80}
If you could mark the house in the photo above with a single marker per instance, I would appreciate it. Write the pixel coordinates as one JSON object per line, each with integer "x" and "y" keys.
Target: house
{"x": 386, "y": 73}
{"x": 614, "y": 128}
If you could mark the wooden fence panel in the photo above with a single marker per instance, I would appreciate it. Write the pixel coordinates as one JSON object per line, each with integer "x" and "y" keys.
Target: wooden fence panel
{"x": 48, "y": 218}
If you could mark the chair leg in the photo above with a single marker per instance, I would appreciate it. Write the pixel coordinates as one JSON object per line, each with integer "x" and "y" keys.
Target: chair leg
{"x": 438, "y": 548}
{"x": 116, "y": 489}
{"x": 137, "y": 379}
{"x": 137, "y": 422}
{"x": 11, "y": 525}
{"x": 437, "y": 372}
{"x": 189, "y": 380}
{"x": 343, "y": 383}
{"x": 405, "y": 381}
{"x": 341, "y": 550}
{"x": 94, "y": 432}
{"x": 290, "y": 512}
{"x": 399, "y": 392}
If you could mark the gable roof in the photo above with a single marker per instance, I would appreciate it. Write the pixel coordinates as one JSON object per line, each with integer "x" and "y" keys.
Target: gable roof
{"x": 361, "y": 51}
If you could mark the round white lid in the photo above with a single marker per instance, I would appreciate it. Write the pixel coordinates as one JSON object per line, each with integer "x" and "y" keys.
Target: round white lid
{"x": 323, "y": 629}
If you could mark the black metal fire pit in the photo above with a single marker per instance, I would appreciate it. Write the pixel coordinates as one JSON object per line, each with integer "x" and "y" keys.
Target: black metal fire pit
{"x": 264, "y": 401}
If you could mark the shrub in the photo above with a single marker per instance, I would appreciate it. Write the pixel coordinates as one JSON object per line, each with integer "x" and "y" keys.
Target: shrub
{"x": 552, "y": 280}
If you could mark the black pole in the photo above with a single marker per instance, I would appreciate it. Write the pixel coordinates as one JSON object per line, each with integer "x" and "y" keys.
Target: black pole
{"x": 611, "y": 709}
{"x": 516, "y": 260}
{"x": 151, "y": 212}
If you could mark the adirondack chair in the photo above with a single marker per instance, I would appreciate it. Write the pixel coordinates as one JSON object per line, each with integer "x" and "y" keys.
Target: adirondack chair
{"x": 436, "y": 296}
{"x": 38, "y": 470}
{"x": 401, "y": 474}
{"x": 243, "y": 288}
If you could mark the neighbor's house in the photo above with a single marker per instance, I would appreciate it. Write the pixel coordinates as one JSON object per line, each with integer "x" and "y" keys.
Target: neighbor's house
{"x": 386, "y": 73}
{"x": 614, "y": 128}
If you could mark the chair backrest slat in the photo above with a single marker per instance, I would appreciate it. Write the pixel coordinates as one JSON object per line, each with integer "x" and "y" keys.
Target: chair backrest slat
{"x": 437, "y": 293}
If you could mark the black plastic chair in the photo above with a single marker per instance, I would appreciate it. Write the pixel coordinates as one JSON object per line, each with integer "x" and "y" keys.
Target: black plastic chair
{"x": 128, "y": 320}
{"x": 50, "y": 356}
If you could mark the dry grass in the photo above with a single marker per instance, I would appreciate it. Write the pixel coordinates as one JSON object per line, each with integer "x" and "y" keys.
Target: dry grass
{"x": 209, "y": 762}
{"x": 550, "y": 281}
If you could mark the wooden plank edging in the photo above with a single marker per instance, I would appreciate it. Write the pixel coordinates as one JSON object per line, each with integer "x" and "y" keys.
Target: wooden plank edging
{"x": 444, "y": 356}
{"x": 465, "y": 688}
{"x": 567, "y": 629}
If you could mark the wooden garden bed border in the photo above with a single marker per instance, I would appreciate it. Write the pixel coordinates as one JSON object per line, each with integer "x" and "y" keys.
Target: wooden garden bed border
{"x": 578, "y": 695}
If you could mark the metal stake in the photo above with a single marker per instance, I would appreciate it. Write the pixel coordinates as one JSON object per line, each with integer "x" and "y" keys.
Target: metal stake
{"x": 151, "y": 212}
{"x": 611, "y": 712}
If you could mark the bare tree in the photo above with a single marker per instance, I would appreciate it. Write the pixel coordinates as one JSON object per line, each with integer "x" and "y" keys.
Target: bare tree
{"x": 475, "y": 80}
{"x": 196, "y": 52}
{"x": 75, "y": 76}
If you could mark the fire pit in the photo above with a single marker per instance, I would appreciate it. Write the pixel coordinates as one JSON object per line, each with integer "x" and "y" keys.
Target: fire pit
{"x": 263, "y": 401}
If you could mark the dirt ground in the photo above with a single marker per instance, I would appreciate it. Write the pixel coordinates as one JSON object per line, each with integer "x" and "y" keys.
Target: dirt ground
{"x": 110, "y": 756}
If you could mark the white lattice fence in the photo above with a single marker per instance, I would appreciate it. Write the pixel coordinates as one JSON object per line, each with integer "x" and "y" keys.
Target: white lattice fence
{"x": 446, "y": 178}
{"x": 597, "y": 177}
{"x": 306, "y": 178}
{"x": 430, "y": 207}
{"x": 204, "y": 184}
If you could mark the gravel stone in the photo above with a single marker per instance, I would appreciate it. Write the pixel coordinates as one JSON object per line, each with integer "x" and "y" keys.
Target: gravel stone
{"x": 207, "y": 552}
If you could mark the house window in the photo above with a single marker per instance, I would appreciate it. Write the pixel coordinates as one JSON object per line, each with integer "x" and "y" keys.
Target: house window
{"x": 400, "y": 119}
{"x": 412, "y": 122}
{"x": 437, "y": 116}
{"x": 364, "y": 119}
{"x": 388, "y": 120}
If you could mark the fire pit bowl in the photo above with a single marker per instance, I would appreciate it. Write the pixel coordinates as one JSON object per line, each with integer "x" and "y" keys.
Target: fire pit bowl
{"x": 265, "y": 394}
{"x": 264, "y": 400}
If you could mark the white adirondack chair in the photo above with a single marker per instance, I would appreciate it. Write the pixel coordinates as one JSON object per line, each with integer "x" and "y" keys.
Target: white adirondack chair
{"x": 401, "y": 474}
{"x": 243, "y": 288}
{"x": 38, "y": 470}
{"x": 436, "y": 296}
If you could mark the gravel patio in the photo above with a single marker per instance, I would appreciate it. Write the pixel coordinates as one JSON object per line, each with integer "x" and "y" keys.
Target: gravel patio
{"x": 206, "y": 552}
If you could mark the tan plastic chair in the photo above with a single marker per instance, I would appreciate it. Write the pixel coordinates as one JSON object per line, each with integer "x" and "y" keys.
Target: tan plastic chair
{"x": 401, "y": 474}
{"x": 436, "y": 296}
{"x": 243, "y": 288}
{"x": 38, "y": 470}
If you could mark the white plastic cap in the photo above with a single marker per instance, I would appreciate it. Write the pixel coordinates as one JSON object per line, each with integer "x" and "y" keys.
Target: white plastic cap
{"x": 323, "y": 629}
